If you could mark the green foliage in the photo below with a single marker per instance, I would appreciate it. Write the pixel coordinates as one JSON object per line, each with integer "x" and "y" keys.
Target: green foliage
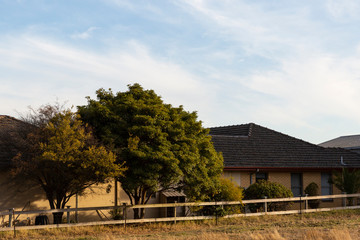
{"x": 163, "y": 147}
{"x": 268, "y": 189}
{"x": 61, "y": 156}
{"x": 226, "y": 191}
{"x": 313, "y": 190}
{"x": 347, "y": 180}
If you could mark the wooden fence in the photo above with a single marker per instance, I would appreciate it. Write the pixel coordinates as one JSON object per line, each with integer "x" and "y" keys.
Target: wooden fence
{"x": 11, "y": 213}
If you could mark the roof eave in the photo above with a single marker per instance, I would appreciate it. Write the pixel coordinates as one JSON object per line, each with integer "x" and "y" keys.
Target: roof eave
{"x": 283, "y": 169}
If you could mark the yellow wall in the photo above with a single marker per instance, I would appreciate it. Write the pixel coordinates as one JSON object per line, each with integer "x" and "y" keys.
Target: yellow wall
{"x": 280, "y": 177}
{"x": 17, "y": 195}
{"x": 284, "y": 178}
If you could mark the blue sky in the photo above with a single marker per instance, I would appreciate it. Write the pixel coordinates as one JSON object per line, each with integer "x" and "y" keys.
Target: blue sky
{"x": 292, "y": 66}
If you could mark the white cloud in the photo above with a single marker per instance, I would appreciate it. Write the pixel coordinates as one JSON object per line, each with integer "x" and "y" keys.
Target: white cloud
{"x": 122, "y": 3}
{"x": 310, "y": 83}
{"x": 309, "y": 94}
{"x": 84, "y": 35}
{"x": 257, "y": 28}
{"x": 36, "y": 70}
{"x": 343, "y": 9}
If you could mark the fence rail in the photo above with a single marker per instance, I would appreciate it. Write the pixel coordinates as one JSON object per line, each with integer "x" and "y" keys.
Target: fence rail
{"x": 11, "y": 212}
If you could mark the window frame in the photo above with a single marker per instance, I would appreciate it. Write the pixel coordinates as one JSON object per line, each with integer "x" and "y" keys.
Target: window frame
{"x": 261, "y": 176}
{"x": 299, "y": 187}
{"x": 328, "y": 187}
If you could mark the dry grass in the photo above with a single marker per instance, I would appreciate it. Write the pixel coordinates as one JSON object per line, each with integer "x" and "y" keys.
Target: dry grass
{"x": 339, "y": 225}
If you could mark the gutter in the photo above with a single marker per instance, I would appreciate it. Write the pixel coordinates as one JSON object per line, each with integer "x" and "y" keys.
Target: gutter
{"x": 283, "y": 169}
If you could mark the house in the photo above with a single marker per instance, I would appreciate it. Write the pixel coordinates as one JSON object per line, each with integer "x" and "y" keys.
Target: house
{"x": 252, "y": 152}
{"x": 351, "y": 142}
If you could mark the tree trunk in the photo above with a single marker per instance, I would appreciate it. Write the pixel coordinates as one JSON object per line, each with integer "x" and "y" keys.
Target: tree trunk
{"x": 139, "y": 213}
{"x": 58, "y": 217}
{"x": 142, "y": 213}
{"x": 136, "y": 213}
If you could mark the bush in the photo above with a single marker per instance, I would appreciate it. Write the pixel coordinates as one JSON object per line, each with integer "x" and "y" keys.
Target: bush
{"x": 313, "y": 190}
{"x": 271, "y": 190}
{"x": 226, "y": 191}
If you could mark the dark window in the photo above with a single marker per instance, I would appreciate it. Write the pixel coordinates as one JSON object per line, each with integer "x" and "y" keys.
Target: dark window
{"x": 261, "y": 176}
{"x": 296, "y": 184}
{"x": 170, "y": 211}
{"x": 326, "y": 186}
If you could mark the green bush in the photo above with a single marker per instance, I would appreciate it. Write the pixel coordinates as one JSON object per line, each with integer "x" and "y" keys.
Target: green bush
{"x": 226, "y": 191}
{"x": 313, "y": 190}
{"x": 271, "y": 190}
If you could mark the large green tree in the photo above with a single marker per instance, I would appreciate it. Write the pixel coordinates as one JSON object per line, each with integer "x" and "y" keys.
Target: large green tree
{"x": 61, "y": 156}
{"x": 163, "y": 147}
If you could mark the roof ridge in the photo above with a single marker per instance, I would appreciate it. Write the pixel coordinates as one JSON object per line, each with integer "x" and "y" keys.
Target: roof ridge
{"x": 7, "y": 116}
{"x": 251, "y": 125}
{"x": 233, "y": 125}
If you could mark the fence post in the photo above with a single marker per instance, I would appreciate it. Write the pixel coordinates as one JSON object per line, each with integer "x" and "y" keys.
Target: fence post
{"x": 300, "y": 205}
{"x": 175, "y": 212}
{"x": 265, "y": 205}
{"x": 76, "y": 206}
{"x": 216, "y": 213}
{"x": 306, "y": 202}
{"x": 13, "y": 214}
{"x": 68, "y": 215}
{"x": 10, "y": 217}
{"x": 344, "y": 199}
{"x": 124, "y": 215}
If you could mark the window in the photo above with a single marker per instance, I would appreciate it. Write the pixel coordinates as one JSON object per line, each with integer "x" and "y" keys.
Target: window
{"x": 326, "y": 187}
{"x": 296, "y": 184}
{"x": 261, "y": 176}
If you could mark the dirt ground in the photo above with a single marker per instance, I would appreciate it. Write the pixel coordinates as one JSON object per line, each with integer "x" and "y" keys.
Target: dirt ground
{"x": 337, "y": 225}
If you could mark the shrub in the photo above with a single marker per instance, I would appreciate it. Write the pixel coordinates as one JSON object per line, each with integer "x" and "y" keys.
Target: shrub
{"x": 226, "y": 191}
{"x": 313, "y": 190}
{"x": 271, "y": 190}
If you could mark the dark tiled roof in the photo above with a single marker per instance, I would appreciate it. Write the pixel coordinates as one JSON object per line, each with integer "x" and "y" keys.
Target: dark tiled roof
{"x": 10, "y": 128}
{"x": 254, "y": 146}
{"x": 352, "y": 141}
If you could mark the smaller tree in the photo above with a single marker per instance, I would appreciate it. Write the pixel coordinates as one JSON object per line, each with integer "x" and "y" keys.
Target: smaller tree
{"x": 313, "y": 190}
{"x": 268, "y": 189}
{"x": 62, "y": 157}
{"x": 347, "y": 181}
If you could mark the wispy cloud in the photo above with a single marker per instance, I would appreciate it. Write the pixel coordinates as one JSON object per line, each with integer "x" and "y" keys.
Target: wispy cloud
{"x": 343, "y": 9}
{"x": 84, "y": 35}
{"x": 309, "y": 78}
{"x": 45, "y": 67}
{"x": 288, "y": 65}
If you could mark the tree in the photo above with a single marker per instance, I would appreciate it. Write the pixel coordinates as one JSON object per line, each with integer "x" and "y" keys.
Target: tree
{"x": 163, "y": 147}
{"x": 268, "y": 189}
{"x": 347, "y": 181}
{"x": 61, "y": 156}
{"x": 313, "y": 190}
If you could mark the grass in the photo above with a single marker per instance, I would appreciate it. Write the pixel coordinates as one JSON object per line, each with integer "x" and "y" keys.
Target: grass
{"x": 336, "y": 225}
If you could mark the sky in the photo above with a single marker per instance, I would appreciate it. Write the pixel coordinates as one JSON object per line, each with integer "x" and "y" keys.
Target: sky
{"x": 291, "y": 66}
